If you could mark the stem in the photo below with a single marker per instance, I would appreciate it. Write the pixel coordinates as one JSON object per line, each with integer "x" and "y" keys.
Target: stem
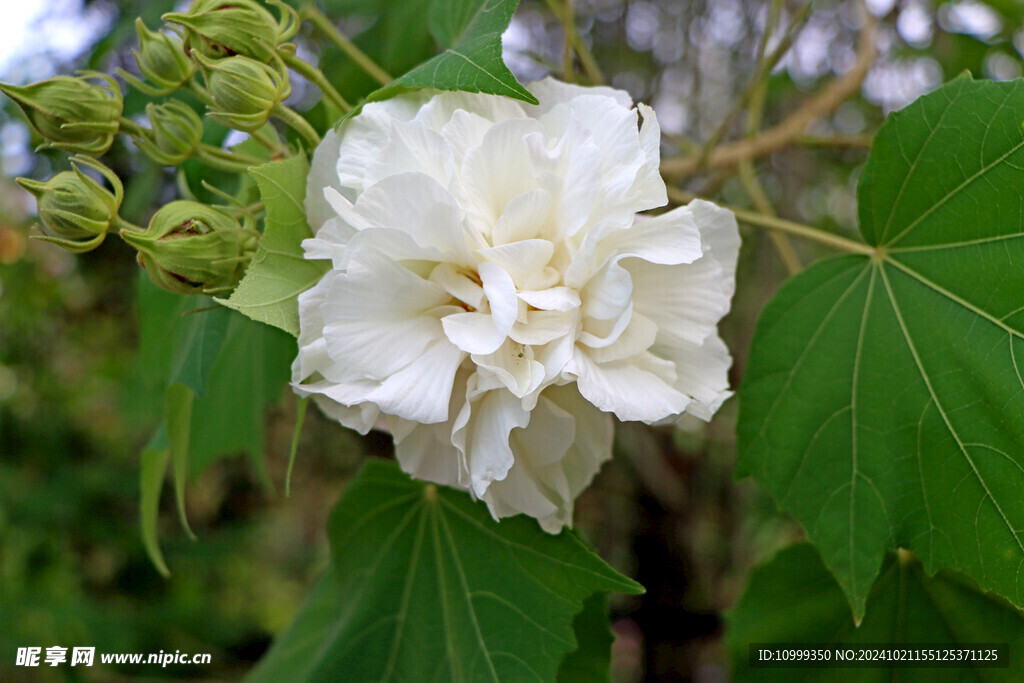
{"x": 317, "y": 18}
{"x": 273, "y": 143}
{"x": 755, "y": 112}
{"x": 784, "y": 226}
{"x": 225, "y": 161}
{"x": 576, "y": 42}
{"x": 299, "y": 124}
{"x": 129, "y": 127}
{"x": 315, "y": 76}
{"x": 121, "y": 224}
{"x": 835, "y": 140}
{"x": 765, "y": 63}
{"x": 767, "y": 141}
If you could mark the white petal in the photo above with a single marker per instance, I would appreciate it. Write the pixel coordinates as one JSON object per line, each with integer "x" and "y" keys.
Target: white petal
{"x": 638, "y": 336}
{"x": 550, "y": 92}
{"x": 464, "y": 131}
{"x": 459, "y": 284}
{"x": 473, "y": 332}
{"x": 364, "y": 136}
{"x": 552, "y": 299}
{"x": 608, "y": 293}
{"x": 481, "y": 431}
{"x": 426, "y": 453}
{"x": 416, "y": 204}
{"x": 513, "y": 363}
{"x": 521, "y": 260}
{"x": 498, "y": 169}
{"x": 345, "y": 210}
{"x": 649, "y": 185}
{"x": 542, "y": 327}
{"x": 525, "y": 217}
{"x": 420, "y": 391}
{"x": 323, "y": 172}
{"x": 720, "y": 236}
{"x": 412, "y": 148}
{"x": 701, "y": 372}
{"x": 375, "y": 318}
{"x": 686, "y": 301}
{"x": 632, "y": 389}
{"x": 501, "y": 295}
{"x": 670, "y": 238}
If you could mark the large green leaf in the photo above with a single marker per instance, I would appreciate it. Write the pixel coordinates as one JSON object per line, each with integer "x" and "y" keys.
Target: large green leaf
{"x": 470, "y": 33}
{"x": 278, "y": 273}
{"x": 883, "y": 403}
{"x": 792, "y": 598}
{"x": 425, "y": 586}
{"x": 591, "y": 661}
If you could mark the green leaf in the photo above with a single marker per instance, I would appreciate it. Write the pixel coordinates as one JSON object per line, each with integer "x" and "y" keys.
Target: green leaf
{"x": 470, "y": 33}
{"x": 151, "y": 480}
{"x": 424, "y": 586}
{"x": 792, "y": 598}
{"x": 883, "y": 403}
{"x": 179, "y": 402}
{"x": 201, "y": 337}
{"x": 591, "y": 661}
{"x": 278, "y": 273}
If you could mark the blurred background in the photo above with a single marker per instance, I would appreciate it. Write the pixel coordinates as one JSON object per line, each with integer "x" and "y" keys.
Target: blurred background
{"x": 77, "y": 405}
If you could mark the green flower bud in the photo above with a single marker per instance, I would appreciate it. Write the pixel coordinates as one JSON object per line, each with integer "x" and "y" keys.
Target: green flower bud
{"x": 161, "y": 58}
{"x": 71, "y": 113}
{"x": 175, "y": 135}
{"x": 244, "y": 91}
{"x": 192, "y": 248}
{"x": 219, "y": 28}
{"x": 75, "y": 210}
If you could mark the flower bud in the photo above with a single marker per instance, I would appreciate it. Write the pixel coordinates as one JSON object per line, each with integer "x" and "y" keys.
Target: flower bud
{"x": 71, "y": 113}
{"x": 75, "y": 210}
{"x": 175, "y": 134}
{"x": 162, "y": 60}
{"x": 244, "y": 91}
{"x": 192, "y": 248}
{"x": 216, "y": 29}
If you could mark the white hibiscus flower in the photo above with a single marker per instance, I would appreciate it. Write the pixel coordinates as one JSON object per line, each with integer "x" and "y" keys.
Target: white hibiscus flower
{"x": 494, "y": 298}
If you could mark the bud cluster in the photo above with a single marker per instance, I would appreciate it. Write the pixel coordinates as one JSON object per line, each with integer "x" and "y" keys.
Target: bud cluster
{"x": 239, "y": 49}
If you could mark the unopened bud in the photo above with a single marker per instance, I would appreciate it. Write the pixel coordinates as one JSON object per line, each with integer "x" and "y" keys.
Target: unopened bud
{"x": 219, "y": 28}
{"x": 175, "y": 133}
{"x": 72, "y": 114}
{"x": 162, "y": 60}
{"x": 75, "y": 210}
{"x": 192, "y": 248}
{"x": 244, "y": 91}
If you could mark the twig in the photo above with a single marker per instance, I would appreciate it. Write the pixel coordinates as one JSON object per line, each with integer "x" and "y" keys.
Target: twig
{"x": 782, "y": 225}
{"x": 772, "y": 139}
{"x": 317, "y": 18}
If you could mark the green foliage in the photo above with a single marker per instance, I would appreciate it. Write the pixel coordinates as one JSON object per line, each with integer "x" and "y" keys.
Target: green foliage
{"x": 470, "y": 33}
{"x": 883, "y": 404}
{"x": 215, "y": 372}
{"x": 591, "y": 661}
{"x": 792, "y": 598}
{"x": 424, "y": 585}
{"x": 279, "y": 273}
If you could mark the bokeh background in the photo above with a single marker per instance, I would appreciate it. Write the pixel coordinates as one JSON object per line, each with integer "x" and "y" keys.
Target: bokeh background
{"x": 76, "y": 407}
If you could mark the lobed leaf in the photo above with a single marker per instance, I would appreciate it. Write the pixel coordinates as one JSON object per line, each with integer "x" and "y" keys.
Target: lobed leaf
{"x": 883, "y": 403}
{"x": 470, "y": 33}
{"x": 792, "y": 598}
{"x": 424, "y": 586}
{"x": 278, "y": 273}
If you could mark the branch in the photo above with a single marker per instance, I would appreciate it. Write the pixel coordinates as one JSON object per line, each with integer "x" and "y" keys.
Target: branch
{"x": 772, "y": 139}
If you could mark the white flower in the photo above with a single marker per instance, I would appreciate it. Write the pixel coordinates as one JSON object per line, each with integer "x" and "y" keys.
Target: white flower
{"x": 494, "y": 297}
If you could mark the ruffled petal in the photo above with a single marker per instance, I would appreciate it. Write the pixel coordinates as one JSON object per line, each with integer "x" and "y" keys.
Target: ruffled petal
{"x": 633, "y": 389}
